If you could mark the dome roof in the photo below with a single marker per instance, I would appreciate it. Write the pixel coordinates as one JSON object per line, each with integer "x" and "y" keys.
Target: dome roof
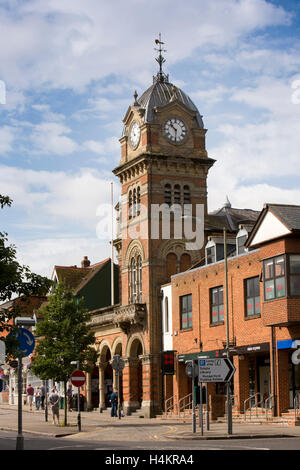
{"x": 161, "y": 93}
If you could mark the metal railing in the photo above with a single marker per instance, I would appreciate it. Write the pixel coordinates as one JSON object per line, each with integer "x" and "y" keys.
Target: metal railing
{"x": 256, "y": 398}
{"x": 171, "y": 405}
{"x": 297, "y": 404}
{"x": 268, "y": 405}
{"x": 185, "y": 404}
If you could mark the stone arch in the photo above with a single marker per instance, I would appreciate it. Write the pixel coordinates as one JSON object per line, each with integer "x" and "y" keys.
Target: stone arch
{"x": 104, "y": 346}
{"x": 132, "y": 346}
{"x": 135, "y": 248}
{"x": 117, "y": 346}
{"x": 177, "y": 247}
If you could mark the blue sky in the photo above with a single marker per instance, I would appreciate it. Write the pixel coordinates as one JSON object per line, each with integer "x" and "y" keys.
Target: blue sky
{"x": 70, "y": 70}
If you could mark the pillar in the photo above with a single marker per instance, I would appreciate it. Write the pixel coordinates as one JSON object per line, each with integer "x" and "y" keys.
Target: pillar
{"x": 101, "y": 367}
{"x": 89, "y": 404}
{"x": 283, "y": 387}
{"x": 241, "y": 381}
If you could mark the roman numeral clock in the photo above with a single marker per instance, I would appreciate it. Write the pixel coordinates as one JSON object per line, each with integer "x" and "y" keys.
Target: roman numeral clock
{"x": 175, "y": 130}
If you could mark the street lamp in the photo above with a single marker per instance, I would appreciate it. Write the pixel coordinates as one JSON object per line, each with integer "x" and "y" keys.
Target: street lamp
{"x": 21, "y": 321}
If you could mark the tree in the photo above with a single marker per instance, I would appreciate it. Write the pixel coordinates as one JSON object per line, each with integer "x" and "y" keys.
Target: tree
{"x": 16, "y": 280}
{"x": 63, "y": 337}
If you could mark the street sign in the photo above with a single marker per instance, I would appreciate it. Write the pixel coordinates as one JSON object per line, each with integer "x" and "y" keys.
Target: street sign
{"x": 189, "y": 369}
{"x": 78, "y": 378}
{"x": 26, "y": 340}
{"x": 215, "y": 370}
{"x": 117, "y": 363}
{"x": 2, "y": 352}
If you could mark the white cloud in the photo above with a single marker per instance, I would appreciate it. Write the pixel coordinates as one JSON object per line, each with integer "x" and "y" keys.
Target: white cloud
{"x": 7, "y": 137}
{"x": 71, "y": 43}
{"x": 50, "y": 138}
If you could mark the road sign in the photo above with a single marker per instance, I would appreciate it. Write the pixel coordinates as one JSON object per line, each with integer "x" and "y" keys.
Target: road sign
{"x": 2, "y": 352}
{"x": 189, "y": 370}
{"x": 117, "y": 363}
{"x": 26, "y": 341}
{"x": 78, "y": 378}
{"x": 215, "y": 370}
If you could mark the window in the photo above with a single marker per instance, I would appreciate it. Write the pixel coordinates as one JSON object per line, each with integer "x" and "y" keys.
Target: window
{"x": 139, "y": 279}
{"x": 217, "y": 304}
{"x": 138, "y": 201}
{"x": 240, "y": 241}
{"x": 135, "y": 280}
{"x": 168, "y": 194}
{"x": 177, "y": 195}
{"x": 186, "y": 315}
{"x": 130, "y": 204}
{"x": 186, "y": 195}
{"x": 294, "y": 262}
{"x": 274, "y": 278}
{"x": 211, "y": 255}
{"x": 252, "y": 296}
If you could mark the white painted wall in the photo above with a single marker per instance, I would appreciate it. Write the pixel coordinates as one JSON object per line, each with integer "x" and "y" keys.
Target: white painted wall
{"x": 167, "y": 328}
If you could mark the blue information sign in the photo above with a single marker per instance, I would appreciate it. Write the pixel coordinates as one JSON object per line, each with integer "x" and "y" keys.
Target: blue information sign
{"x": 26, "y": 340}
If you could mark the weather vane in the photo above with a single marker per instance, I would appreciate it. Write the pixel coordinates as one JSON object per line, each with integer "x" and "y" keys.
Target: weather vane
{"x": 160, "y": 59}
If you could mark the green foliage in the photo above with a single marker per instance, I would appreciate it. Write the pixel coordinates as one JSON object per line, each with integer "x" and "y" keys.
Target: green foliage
{"x": 62, "y": 337}
{"x": 15, "y": 279}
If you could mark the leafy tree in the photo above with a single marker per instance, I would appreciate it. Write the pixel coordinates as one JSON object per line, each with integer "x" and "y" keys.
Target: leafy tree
{"x": 16, "y": 280}
{"x": 63, "y": 337}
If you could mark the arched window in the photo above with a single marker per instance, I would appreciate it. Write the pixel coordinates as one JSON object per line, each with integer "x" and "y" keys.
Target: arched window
{"x": 186, "y": 195}
{"x": 134, "y": 203}
{"x": 138, "y": 201}
{"x": 139, "y": 290}
{"x": 130, "y": 204}
{"x": 168, "y": 194}
{"x": 135, "y": 280}
{"x": 177, "y": 195}
{"x": 166, "y": 315}
{"x": 185, "y": 262}
{"x": 171, "y": 265}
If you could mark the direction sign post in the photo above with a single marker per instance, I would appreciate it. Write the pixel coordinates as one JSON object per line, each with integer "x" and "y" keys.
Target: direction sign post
{"x": 192, "y": 371}
{"x": 78, "y": 379}
{"x": 118, "y": 365}
{"x": 215, "y": 370}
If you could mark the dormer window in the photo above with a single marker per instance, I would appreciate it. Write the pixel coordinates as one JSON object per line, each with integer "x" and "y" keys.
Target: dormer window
{"x": 241, "y": 239}
{"x": 211, "y": 254}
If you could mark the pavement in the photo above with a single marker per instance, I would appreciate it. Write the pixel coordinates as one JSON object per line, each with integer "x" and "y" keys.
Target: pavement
{"x": 100, "y": 427}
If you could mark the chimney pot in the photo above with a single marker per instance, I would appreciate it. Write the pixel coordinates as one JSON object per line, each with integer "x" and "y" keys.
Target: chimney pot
{"x": 85, "y": 263}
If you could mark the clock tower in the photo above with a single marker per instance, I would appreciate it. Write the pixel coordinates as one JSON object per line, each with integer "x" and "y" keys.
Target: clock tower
{"x": 164, "y": 164}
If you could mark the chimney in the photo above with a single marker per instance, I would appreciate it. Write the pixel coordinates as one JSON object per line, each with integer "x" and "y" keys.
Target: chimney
{"x": 85, "y": 263}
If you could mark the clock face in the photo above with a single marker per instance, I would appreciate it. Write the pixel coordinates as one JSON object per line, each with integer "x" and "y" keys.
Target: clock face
{"x": 175, "y": 130}
{"x": 134, "y": 134}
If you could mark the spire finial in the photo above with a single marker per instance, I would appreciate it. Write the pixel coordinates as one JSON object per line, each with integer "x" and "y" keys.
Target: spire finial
{"x": 227, "y": 203}
{"x": 160, "y": 59}
{"x": 135, "y": 95}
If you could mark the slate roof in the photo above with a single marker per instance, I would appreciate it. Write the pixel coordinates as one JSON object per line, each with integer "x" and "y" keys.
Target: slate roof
{"x": 77, "y": 277}
{"x": 162, "y": 93}
{"x": 230, "y": 218}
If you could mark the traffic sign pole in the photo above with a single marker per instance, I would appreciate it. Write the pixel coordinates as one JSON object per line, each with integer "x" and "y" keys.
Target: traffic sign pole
{"x": 20, "y": 438}
{"x": 201, "y": 410}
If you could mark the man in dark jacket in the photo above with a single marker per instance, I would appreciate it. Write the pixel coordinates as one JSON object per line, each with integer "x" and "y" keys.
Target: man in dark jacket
{"x": 114, "y": 404}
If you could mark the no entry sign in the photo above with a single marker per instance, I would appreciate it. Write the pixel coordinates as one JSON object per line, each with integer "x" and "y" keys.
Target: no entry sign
{"x": 78, "y": 378}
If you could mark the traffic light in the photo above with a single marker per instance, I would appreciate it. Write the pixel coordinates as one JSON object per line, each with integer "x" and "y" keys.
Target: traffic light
{"x": 168, "y": 363}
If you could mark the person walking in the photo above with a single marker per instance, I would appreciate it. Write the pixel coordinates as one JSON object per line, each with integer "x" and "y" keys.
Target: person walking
{"x": 114, "y": 404}
{"x": 54, "y": 402}
{"x": 69, "y": 397}
{"x": 30, "y": 394}
{"x": 38, "y": 397}
{"x": 43, "y": 395}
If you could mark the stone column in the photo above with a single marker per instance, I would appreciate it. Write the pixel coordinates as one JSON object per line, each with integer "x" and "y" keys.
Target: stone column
{"x": 151, "y": 404}
{"x": 101, "y": 367}
{"x": 89, "y": 404}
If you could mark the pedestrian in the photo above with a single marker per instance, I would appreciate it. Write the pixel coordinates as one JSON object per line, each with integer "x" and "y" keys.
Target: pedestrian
{"x": 114, "y": 404}
{"x": 54, "y": 402}
{"x": 70, "y": 396}
{"x": 38, "y": 397}
{"x": 43, "y": 395}
{"x": 30, "y": 394}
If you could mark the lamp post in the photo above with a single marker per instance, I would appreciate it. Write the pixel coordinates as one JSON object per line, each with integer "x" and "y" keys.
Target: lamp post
{"x": 229, "y": 411}
{"x": 22, "y": 322}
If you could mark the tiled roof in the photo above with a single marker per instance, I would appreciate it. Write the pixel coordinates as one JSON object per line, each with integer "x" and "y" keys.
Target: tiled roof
{"x": 230, "y": 218}
{"x": 75, "y": 277}
{"x": 288, "y": 214}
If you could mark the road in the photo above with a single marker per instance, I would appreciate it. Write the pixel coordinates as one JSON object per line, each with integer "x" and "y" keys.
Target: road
{"x": 32, "y": 442}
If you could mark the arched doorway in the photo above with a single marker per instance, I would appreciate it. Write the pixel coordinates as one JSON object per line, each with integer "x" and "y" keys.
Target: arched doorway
{"x": 118, "y": 351}
{"x": 136, "y": 379}
{"x": 108, "y": 377}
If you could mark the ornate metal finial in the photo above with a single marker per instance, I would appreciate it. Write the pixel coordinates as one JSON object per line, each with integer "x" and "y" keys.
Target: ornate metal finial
{"x": 162, "y": 77}
{"x": 227, "y": 203}
{"x": 135, "y": 95}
